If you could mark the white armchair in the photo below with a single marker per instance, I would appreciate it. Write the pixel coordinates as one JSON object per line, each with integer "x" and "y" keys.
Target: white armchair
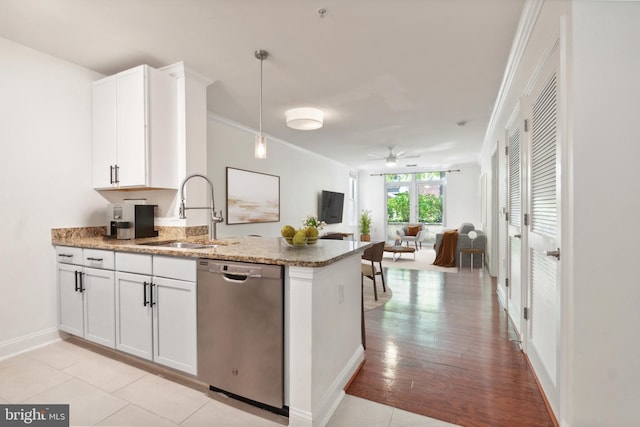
{"x": 412, "y": 233}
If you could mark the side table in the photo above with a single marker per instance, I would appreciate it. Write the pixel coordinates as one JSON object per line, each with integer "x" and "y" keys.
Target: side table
{"x": 472, "y": 252}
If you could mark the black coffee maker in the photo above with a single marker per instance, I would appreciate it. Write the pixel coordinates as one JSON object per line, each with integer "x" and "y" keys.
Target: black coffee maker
{"x": 131, "y": 221}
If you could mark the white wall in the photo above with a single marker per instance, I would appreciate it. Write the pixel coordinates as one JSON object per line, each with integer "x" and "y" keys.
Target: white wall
{"x": 463, "y": 196}
{"x": 372, "y": 197}
{"x": 605, "y": 372}
{"x": 45, "y": 182}
{"x": 303, "y": 176}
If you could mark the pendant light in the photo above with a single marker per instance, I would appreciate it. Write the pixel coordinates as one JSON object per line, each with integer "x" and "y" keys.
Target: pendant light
{"x": 260, "y": 148}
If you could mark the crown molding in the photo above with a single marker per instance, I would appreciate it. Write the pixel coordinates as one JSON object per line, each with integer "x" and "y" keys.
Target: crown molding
{"x": 530, "y": 13}
{"x": 179, "y": 70}
{"x": 232, "y": 123}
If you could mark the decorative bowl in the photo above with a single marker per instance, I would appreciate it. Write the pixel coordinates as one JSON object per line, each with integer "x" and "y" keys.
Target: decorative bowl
{"x": 309, "y": 241}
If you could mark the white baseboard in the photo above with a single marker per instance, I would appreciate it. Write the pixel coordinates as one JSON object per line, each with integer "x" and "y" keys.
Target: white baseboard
{"x": 501, "y": 297}
{"x": 329, "y": 402}
{"x": 29, "y": 342}
{"x": 334, "y": 395}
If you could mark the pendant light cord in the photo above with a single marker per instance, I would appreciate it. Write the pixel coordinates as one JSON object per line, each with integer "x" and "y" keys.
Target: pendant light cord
{"x": 261, "y": 55}
{"x": 261, "y": 61}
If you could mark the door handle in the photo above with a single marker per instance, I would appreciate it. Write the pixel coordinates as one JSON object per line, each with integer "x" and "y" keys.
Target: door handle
{"x": 555, "y": 253}
{"x": 144, "y": 294}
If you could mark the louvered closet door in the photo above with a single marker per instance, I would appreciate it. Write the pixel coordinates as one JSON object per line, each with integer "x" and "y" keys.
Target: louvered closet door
{"x": 514, "y": 222}
{"x": 543, "y": 270}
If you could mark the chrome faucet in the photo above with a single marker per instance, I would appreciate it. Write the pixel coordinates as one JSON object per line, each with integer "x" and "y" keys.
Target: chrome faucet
{"x": 215, "y": 219}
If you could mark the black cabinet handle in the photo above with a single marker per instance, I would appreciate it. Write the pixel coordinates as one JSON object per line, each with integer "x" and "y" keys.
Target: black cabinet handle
{"x": 151, "y": 303}
{"x": 94, "y": 259}
{"x": 117, "y": 177}
{"x": 81, "y": 276}
{"x": 111, "y": 175}
{"x": 76, "y": 274}
{"x": 144, "y": 293}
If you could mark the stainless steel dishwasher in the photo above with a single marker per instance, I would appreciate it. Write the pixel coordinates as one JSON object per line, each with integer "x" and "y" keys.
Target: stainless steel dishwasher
{"x": 241, "y": 331}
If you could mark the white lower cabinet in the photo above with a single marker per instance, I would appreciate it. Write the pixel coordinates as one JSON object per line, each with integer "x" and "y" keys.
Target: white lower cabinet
{"x": 156, "y": 316}
{"x": 134, "y": 314}
{"x": 174, "y": 324}
{"x": 70, "y": 300}
{"x": 99, "y": 306}
{"x": 86, "y": 295}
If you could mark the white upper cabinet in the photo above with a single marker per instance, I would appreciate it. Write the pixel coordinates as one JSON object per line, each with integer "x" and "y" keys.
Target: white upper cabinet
{"x": 135, "y": 136}
{"x": 104, "y": 132}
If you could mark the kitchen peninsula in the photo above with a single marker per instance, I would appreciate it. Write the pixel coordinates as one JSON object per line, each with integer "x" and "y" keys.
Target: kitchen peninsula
{"x": 322, "y": 306}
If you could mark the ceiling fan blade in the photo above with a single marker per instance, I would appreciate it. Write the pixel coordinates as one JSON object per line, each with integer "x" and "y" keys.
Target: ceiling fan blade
{"x": 415, "y": 156}
{"x": 400, "y": 153}
{"x": 375, "y": 156}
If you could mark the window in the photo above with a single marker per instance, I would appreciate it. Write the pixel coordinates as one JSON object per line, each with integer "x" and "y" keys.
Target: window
{"x": 415, "y": 197}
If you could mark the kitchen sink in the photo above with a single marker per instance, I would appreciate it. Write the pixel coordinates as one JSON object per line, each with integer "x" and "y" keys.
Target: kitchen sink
{"x": 182, "y": 245}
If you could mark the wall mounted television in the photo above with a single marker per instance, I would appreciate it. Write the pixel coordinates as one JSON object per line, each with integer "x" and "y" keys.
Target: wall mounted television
{"x": 331, "y": 205}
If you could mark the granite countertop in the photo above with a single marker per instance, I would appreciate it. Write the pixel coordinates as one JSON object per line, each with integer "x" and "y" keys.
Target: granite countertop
{"x": 263, "y": 250}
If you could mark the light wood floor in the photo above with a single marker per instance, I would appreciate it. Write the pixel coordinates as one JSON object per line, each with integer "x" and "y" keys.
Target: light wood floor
{"x": 442, "y": 347}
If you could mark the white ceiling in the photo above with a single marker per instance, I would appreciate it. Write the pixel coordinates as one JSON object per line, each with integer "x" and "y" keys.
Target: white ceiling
{"x": 397, "y": 73}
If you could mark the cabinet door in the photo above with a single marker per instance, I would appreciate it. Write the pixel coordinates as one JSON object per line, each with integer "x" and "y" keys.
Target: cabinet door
{"x": 104, "y": 133}
{"x": 99, "y": 306}
{"x": 174, "y": 324}
{"x": 134, "y": 314}
{"x": 70, "y": 306}
{"x": 131, "y": 114}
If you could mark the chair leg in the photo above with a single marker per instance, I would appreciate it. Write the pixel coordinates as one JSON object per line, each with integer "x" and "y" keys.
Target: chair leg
{"x": 384, "y": 287}
{"x": 364, "y": 339}
{"x": 373, "y": 277}
{"x": 375, "y": 288}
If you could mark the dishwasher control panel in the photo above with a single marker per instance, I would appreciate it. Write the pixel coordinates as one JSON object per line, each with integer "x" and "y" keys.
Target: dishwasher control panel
{"x": 239, "y": 268}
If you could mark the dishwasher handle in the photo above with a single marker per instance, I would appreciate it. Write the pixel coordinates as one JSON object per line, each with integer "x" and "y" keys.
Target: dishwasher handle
{"x": 235, "y": 274}
{"x": 235, "y": 278}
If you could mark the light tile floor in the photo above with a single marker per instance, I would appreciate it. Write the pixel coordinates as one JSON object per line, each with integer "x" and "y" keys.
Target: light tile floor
{"x": 105, "y": 392}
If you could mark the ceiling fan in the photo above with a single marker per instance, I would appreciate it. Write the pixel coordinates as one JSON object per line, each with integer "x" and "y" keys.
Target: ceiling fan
{"x": 391, "y": 158}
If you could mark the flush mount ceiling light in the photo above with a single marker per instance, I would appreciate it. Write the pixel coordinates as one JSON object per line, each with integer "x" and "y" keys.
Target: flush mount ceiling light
{"x": 304, "y": 118}
{"x": 260, "y": 147}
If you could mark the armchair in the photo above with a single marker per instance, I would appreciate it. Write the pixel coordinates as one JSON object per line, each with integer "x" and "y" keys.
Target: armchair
{"x": 412, "y": 233}
{"x": 464, "y": 241}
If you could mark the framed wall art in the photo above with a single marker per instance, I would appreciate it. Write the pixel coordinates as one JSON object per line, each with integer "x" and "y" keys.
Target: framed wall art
{"x": 252, "y": 197}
